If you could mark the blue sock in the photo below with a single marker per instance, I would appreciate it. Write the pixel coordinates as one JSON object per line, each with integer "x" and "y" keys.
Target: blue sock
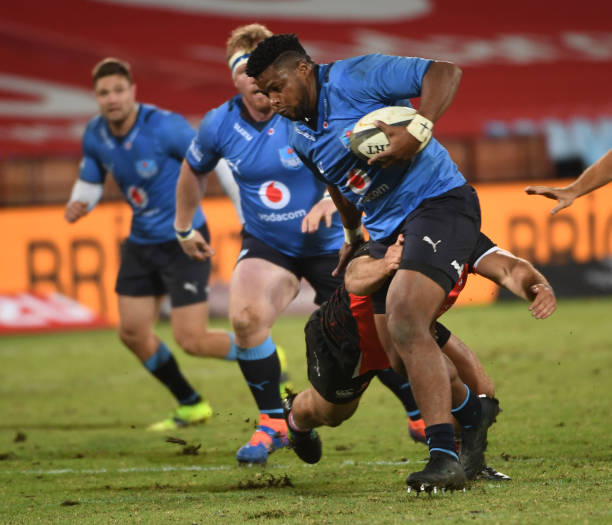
{"x": 232, "y": 355}
{"x": 441, "y": 438}
{"x": 468, "y": 413}
{"x": 401, "y": 388}
{"x": 165, "y": 368}
{"x": 261, "y": 370}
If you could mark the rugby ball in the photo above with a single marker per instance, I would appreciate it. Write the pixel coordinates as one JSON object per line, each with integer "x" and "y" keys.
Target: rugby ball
{"x": 367, "y": 140}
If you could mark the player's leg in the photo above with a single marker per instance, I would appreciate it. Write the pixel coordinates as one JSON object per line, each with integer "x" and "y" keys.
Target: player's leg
{"x": 139, "y": 288}
{"x": 136, "y": 318}
{"x": 259, "y": 291}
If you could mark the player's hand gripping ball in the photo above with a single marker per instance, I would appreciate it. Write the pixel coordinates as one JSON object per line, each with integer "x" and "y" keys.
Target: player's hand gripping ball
{"x": 367, "y": 140}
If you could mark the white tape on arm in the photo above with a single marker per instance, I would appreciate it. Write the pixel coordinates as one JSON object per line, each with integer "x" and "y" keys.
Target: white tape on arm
{"x": 229, "y": 185}
{"x": 87, "y": 192}
{"x": 420, "y": 128}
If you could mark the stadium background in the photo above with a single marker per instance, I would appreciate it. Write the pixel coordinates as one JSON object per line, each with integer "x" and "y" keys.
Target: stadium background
{"x": 534, "y": 105}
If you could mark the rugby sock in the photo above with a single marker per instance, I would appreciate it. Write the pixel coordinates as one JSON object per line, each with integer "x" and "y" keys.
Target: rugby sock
{"x": 232, "y": 355}
{"x": 468, "y": 413}
{"x": 261, "y": 370}
{"x": 165, "y": 368}
{"x": 401, "y": 388}
{"x": 441, "y": 438}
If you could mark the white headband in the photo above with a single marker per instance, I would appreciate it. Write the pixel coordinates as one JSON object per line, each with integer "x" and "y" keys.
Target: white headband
{"x": 237, "y": 59}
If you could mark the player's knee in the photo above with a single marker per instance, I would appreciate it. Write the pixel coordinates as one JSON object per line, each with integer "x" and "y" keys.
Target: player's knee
{"x": 192, "y": 343}
{"x": 130, "y": 336}
{"x": 245, "y": 321}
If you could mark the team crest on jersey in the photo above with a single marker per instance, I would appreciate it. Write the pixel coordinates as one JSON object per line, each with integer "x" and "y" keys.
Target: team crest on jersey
{"x": 289, "y": 158}
{"x": 138, "y": 197}
{"x": 146, "y": 168}
{"x": 274, "y": 194}
{"x": 345, "y": 136}
{"x": 358, "y": 181}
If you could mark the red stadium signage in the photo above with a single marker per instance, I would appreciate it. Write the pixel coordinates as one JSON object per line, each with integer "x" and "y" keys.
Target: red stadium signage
{"x": 30, "y": 312}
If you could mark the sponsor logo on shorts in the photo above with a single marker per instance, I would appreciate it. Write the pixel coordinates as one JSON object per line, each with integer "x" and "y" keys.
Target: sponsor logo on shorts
{"x": 289, "y": 158}
{"x": 358, "y": 181}
{"x": 280, "y": 217}
{"x": 274, "y": 194}
{"x": 242, "y": 254}
{"x": 245, "y": 134}
{"x": 191, "y": 287}
{"x": 137, "y": 197}
{"x": 434, "y": 245}
{"x": 146, "y": 168}
{"x": 348, "y": 392}
{"x": 458, "y": 267}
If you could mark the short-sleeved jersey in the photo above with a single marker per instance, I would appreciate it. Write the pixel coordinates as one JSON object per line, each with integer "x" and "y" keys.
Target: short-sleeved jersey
{"x": 348, "y": 90}
{"x": 276, "y": 189}
{"x": 146, "y": 164}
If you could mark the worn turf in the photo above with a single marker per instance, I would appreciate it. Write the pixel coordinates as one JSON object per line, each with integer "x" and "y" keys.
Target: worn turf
{"x": 73, "y": 448}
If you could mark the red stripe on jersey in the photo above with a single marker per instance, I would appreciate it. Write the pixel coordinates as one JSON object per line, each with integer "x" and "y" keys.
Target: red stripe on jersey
{"x": 373, "y": 355}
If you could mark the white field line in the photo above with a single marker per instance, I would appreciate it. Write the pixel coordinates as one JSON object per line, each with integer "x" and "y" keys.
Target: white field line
{"x": 180, "y": 468}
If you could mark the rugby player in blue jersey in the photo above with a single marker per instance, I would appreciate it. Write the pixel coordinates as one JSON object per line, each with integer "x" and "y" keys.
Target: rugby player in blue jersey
{"x": 142, "y": 147}
{"x": 421, "y": 195}
{"x": 282, "y": 207}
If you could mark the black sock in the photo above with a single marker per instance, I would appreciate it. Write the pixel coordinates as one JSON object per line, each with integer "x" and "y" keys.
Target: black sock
{"x": 263, "y": 377}
{"x": 468, "y": 413}
{"x": 165, "y": 368}
{"x": 401, "y": 388}
{"x": 441, "y": 438}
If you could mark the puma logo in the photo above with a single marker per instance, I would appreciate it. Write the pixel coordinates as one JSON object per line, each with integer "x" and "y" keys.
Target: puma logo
{"x": 191, "y": 287}
{"x": 434, "y": 245}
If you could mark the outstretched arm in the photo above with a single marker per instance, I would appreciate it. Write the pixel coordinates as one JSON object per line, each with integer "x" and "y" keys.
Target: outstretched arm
{"x": 522, "y": 279}
{"x": 593, "y": 177}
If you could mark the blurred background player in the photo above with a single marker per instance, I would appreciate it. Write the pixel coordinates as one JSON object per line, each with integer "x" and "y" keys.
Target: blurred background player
{"x": 142, "y": 147}
{"x": 421, "y": 195}
{"x": 345, "y": 335}
{"x": 281, "y": 208}
{"x": 595, "y": 176}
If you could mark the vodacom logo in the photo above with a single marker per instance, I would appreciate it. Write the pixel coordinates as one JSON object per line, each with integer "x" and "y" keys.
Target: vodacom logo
{"x": 358, "y": 181}
{"x": 274, "y": 194}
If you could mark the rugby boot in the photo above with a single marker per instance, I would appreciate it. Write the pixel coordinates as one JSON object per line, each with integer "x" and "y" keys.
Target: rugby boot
{"x": 441, "y": 472}
{"x": 285, "y": 379}
{"x": 270, "y": 435}
{"x": 490, "y": 474}
{"x": 183, "y": 416}
{"x": 474, "y": 440}
{"x": 416, "y": 429}
{"x": 307, "y": 445}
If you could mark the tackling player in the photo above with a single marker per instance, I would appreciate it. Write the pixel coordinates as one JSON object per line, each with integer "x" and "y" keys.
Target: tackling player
{"x": 142, "y": 147}
{"x": 281, "y": 207}
{"x": 347, "y": 340}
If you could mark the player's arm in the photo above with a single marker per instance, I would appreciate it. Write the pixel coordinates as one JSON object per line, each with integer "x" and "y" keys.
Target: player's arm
{"x": 188, "y": 197}
{"x": 438, "y": 88}
{"x": 364, "y": 274}
{"x": 353, "y": 232}
{"x": 89, "y": 186}
{"x": 521, "y": 278}
{"x": 595, "y": 176}
{"x": 322, "y": 210}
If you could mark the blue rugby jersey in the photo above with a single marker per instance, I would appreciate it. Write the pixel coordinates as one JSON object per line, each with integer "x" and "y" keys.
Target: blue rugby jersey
{"x": 350, "y": 89}
{"x": 276, "y": 189}
{"x": 146, "y": 164}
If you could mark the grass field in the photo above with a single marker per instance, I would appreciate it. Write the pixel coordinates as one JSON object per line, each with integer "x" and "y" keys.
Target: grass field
{"x": 73, "y": 450}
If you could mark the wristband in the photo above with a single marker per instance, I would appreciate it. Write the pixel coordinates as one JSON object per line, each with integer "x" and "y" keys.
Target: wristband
{"x": 184, "y": 235}
{"x": 352, "y": 235}
{"x": 420, "y": 128}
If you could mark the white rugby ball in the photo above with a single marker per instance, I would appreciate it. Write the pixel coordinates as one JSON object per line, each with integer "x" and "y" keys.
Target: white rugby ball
{"x": 367, "y": 140}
